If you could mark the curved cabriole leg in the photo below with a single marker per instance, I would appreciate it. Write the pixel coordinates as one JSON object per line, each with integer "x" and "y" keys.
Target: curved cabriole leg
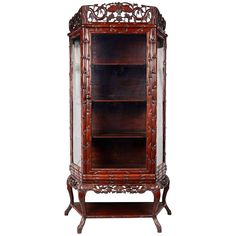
{"x": 166, "y": 188}
{"x": 157, "y": 223}
{"x": 81, "y": 225}
{"x": 69, "y": 188}
{"x": 82, "y": 194}
{"x": 156, "y": 204}
{"x": 156, "y": 195}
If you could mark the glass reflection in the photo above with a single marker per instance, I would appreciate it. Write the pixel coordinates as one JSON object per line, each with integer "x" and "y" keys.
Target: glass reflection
{"x": 160, "y": 86}
{"x": 76, "y": 102}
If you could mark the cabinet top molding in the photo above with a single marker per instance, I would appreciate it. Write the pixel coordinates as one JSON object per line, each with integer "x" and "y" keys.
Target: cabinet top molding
{"x": 120, "y": 12}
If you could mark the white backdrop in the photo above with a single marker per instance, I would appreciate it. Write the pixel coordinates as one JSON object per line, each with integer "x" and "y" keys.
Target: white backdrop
{"x": 34, "y": 121}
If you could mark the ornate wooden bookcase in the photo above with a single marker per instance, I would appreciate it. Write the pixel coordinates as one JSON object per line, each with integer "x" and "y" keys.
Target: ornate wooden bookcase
{"x": 117, "y": 109}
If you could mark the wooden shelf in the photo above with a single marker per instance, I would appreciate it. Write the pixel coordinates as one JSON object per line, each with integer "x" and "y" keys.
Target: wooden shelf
{"x": 119, "y": 135}
{"x": 118, "y": 63}
{"x": 115, "y": 100}
{"x": 116, "y": 209}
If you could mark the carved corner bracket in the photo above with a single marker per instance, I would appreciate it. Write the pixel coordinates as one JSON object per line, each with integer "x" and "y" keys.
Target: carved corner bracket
{"x": 160, "y": 21}
{"x": 76, "y": 21}
{"x": 72, "y": 181}
{"x": 165, "y": 181}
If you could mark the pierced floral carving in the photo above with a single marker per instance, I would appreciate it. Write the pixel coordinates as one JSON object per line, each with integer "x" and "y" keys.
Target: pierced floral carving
{"x": 161, "y": 23}
{"x": 117, "y": 12}
{"x": 112, "y": 188}
{"x": 119, "y": 189}
{"x": 109, "y": 188}
{"x": 76, "y": 21}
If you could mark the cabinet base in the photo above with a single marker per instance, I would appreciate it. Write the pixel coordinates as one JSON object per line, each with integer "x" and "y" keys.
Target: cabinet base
{"x": 119, "y": 209}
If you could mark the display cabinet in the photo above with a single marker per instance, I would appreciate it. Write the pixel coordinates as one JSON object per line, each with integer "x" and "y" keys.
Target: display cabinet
{"x": 117, "y": 109}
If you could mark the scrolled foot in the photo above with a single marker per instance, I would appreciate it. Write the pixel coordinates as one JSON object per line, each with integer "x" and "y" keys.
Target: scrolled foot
{"x": 158, "y": 225}
{"x": 168, "y": 210}
{"x": 81, "y": 225}
{"x": 67, "y": 210}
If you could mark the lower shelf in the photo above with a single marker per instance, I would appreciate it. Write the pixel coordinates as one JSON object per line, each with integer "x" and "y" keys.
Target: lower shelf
{"x": 117, "y": 209}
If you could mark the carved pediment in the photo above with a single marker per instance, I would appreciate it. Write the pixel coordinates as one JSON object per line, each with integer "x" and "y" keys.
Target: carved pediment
{"x": 117, "y": 13}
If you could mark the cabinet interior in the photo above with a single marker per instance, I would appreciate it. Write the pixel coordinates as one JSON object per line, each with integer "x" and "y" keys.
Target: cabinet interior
{"x": 118, "y": 100}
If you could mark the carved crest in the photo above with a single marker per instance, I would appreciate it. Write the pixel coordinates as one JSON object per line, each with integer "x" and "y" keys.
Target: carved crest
{"x": 117, "y": 12}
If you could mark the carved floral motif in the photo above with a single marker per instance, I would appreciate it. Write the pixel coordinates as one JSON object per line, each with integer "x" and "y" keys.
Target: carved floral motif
{"x": 115, "y": 188}
{"x": 76, "y": 21}
{"x": 161, "y": 21}
{"x": 119, "y": 189}
{"x": 117, "y": 12}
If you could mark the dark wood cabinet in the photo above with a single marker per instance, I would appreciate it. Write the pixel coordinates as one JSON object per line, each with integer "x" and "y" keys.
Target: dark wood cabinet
{"x": 117, "y": 109}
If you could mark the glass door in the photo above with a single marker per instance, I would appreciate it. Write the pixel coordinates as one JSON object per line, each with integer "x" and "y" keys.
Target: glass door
{"x": 118, "y": 72}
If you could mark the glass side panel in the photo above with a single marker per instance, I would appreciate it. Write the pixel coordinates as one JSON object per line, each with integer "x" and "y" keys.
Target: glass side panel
{"x": 160, "y": 87}
{"x": 75, "y": 54}
{"x": 118, "y": 100}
